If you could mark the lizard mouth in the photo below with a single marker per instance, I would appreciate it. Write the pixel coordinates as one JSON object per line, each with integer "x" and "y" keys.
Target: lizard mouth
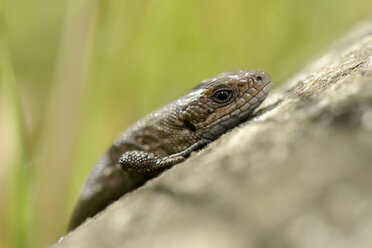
{"x": 241, "y": 113}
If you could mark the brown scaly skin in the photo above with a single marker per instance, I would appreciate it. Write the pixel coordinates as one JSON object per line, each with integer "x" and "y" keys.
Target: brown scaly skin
{"x": 169, "y": 135}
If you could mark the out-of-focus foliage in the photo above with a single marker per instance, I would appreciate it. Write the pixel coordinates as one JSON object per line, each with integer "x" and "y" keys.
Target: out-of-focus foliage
{"x": 76, "y": 73}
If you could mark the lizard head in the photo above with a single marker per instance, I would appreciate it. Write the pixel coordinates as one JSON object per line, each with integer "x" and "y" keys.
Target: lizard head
{"x": 218, "y": 104}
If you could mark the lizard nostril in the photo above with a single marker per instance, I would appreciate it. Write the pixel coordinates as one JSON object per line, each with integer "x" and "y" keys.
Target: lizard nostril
{"x": 259, "y": 78}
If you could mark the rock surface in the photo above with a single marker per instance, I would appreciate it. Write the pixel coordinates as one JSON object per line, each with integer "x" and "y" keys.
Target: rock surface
{"x": 298, "y": 174}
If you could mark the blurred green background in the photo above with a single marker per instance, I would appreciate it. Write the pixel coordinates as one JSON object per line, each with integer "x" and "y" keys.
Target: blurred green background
{"x": 74, "y": 74}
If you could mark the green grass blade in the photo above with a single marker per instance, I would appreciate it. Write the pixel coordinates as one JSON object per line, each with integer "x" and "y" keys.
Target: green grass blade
{"x": 21, "y": 190}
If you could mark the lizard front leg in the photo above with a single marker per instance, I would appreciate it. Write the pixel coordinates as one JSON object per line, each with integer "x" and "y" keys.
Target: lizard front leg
{"x": 144, "y": 162}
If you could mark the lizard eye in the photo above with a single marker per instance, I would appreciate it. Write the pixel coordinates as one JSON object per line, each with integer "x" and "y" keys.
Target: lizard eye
{"x": 222, "y": 96}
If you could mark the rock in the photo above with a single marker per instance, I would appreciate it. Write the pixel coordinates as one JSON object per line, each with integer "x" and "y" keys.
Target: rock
{"x": 298, "y": 174}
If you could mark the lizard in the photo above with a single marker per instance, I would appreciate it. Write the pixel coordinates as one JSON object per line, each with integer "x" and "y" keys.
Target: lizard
{"x": 168, "y": 136}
